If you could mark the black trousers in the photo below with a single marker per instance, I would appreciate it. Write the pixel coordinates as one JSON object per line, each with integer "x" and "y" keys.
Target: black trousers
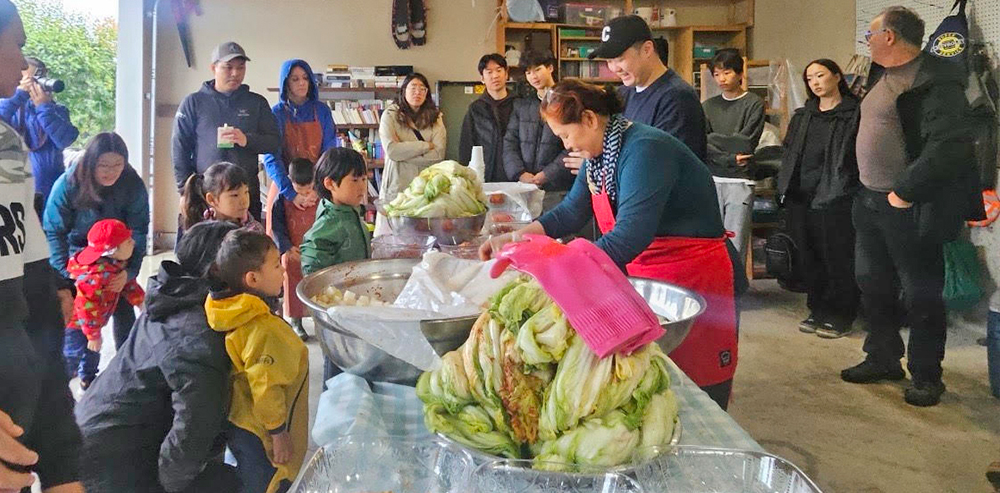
{"x": 122, "y": 321}
{"x": 889, "y": 248}
{"x": 825, "y": 238}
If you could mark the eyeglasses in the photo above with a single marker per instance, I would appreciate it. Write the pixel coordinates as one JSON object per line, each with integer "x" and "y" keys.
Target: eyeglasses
{"x": 111, "y": 167}
{"x": 869, "y": 33}
{"x": 417, "y": 89}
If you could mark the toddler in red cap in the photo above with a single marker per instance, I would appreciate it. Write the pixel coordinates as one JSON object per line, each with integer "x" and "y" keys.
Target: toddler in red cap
{"x": 109, "y": 246}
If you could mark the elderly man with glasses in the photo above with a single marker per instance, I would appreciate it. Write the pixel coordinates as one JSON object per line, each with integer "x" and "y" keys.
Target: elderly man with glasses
{"x": 919, "y": 184}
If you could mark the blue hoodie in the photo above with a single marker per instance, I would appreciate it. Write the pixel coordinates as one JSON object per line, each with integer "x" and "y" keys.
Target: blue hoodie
{"x": 311, "y": 110}
{"x": 47, "y": 130}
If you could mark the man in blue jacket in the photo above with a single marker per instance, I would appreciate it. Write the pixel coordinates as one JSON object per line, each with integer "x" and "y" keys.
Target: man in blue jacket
{"x": 251, "y": 130}
{"x": 44, "y": 125}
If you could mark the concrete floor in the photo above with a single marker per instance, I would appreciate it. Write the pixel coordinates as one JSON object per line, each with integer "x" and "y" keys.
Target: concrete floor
{"x": 848, "y": 438}
{"x": 860, "y": 438}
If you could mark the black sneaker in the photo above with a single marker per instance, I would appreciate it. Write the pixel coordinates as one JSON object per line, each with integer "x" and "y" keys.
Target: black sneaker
{"x": 299, "y": 329}
{"x": 869, "y": 371}
{"x": 993, "y": 474}
{"x": 924, "y": 394}
{"x": 831, "y": 330}
{"x": 809, "y": 325}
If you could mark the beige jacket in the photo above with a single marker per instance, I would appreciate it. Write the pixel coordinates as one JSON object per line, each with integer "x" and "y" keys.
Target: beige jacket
{"x": 405, "y": 156}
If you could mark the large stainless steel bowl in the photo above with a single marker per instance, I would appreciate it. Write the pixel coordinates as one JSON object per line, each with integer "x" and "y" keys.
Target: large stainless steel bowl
{"x": 384, "y": 280}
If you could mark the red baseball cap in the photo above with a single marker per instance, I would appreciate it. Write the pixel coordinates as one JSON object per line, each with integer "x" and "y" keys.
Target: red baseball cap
{"x": 104, "y": 235}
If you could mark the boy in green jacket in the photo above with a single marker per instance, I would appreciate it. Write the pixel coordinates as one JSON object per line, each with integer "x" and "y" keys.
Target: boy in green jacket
{"x": 339, "y": 234}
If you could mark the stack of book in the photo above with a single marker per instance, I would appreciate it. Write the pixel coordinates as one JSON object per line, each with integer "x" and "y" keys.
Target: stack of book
{"x": 362, "y": 76}
{"x": 391, "y": 75}
{"x": 360, "y": 112}
{"x": 337, "y": 76}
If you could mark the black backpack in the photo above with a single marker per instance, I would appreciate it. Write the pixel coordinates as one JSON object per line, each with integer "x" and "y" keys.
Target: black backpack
{"x": 781, "y": 256}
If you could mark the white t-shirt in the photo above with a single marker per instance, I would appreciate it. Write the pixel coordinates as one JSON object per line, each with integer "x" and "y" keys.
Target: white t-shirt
{"x": 21, "y": 238}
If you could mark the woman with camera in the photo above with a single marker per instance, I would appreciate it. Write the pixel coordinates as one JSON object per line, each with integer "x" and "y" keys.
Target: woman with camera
{"x": 44, "y": 125}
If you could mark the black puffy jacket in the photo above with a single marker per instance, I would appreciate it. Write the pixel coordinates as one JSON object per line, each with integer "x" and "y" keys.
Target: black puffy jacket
{"x": 839, "y": 179}
{"x": 484, "y": 125}
{"x": 530, "y": 146}
{"x": 160, "y": 405}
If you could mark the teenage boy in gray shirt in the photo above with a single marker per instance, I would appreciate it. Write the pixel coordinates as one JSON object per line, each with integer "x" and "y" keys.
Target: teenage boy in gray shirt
{"x": 735, "y": 120}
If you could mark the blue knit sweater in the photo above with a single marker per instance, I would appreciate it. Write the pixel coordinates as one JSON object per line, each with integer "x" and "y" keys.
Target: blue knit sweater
{"x": 663, "y": 190}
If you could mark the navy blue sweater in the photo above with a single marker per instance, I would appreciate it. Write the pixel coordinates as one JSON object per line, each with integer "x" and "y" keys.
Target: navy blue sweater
{"x": 672, "y": 105}
{"x": 663, "y": 190}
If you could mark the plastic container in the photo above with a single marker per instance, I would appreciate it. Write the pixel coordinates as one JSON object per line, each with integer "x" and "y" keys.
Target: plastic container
{"x": 701, "y": 52}
{"x": 353, "y": 464}
{"x": 510, "y": 476}
{"x": 401, "y": 246}
{"x": 708, "y": 470}
{"x": 585, "y": 14}
{"x": 468, "y": 250}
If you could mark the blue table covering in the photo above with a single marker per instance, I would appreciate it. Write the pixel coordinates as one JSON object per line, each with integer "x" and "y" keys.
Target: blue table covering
{"x": 351, "y": 406}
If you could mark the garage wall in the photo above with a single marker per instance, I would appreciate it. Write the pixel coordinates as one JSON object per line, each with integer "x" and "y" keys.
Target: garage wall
{"x": 803, "y": 31}
{"x": 357, "y": 32}
{"x": 319, "y": 31}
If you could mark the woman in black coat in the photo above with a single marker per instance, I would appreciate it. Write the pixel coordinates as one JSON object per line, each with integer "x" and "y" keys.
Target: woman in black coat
{"x": 818, "y": 178}
{"x": 152, "y": 419}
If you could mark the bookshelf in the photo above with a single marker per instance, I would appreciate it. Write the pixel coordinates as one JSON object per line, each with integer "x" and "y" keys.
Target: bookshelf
{"x": 363, "y": 136}
{"x": 706, "y": 23}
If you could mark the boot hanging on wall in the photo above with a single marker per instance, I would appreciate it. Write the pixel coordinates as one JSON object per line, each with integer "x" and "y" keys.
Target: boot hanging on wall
{"x": 418, "y": 22}
{"x": 401, "y": 23}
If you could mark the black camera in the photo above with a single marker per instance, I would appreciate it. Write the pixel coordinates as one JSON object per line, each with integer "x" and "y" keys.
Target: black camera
{"x": 50, "y": 85}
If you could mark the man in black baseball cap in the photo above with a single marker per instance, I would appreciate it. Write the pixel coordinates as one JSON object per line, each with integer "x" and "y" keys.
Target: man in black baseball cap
{"x": 248, "y": 127}
{"x": 620, "y": 34}
{"x": 653, "y": 94}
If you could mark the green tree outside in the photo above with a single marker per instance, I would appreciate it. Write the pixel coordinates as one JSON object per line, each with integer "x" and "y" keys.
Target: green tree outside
{"x": 80, "y": 51}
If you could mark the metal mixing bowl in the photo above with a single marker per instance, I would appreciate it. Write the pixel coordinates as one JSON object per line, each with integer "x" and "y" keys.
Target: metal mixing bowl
{"x": 384, "y": 280}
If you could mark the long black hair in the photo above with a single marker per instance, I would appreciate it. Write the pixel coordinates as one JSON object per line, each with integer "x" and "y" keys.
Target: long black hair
{"x": 218, "y": 178}
{"x": 426, "y": 115}
{"x": 88, "y": 190}
{"x": 197, "y": 249}
{"x": 834, "y": 70}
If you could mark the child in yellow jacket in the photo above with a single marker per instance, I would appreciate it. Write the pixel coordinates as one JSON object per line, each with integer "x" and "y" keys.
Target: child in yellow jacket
{"x": 269, "y": 411}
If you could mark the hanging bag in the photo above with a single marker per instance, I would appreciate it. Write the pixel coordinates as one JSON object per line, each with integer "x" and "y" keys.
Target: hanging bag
{"x": 951, "y": 38}
{"x": 961, "y": 276}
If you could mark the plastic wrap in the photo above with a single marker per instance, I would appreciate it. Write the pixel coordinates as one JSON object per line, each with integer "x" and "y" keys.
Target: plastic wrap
{"x": 514, "y": 197}
{"x": 441, "y": 286}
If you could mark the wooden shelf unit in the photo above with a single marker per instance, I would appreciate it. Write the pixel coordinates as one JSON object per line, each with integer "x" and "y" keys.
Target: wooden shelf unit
{"x": 334, "y": 93}
{"x": 723, "y": 26}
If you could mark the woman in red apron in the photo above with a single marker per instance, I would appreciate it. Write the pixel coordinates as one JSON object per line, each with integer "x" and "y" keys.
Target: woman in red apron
{"x": 656, "y": 206}
{"x": 307, "y": 130}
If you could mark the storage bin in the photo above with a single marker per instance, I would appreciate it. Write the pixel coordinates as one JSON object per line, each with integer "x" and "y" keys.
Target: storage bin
{"x": 704, "y": 52}
{"x": 585, "y": 14}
